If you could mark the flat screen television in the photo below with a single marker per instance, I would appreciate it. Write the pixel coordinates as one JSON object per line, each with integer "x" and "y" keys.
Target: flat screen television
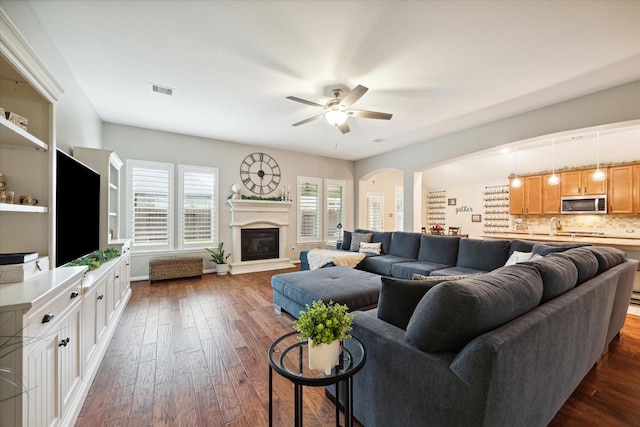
{"x": 77, "y": 209}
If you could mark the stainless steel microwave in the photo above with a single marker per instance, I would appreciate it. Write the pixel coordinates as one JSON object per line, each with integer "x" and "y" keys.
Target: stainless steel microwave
{"x": 584, "y": 205}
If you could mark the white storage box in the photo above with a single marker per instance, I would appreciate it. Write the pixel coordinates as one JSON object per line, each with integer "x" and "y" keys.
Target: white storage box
{"x": 12, "y": 273}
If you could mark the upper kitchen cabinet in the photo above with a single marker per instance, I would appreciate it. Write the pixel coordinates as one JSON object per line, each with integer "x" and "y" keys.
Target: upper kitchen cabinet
{"x": 621, "y": 189}
{"x": 526, "y": 199}
{"x": 550, "y": 196}
{"x": 27, "y": 149}
{"x": 579, "y": 183}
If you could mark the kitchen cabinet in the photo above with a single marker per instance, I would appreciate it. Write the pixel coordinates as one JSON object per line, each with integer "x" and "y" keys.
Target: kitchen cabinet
{"x": 621, "y": 189}
{"x": 579, "y": 182}
{"x": 551, "y": 196}
{"x": 636, "y": 188}
{"x": 526, "y": 199}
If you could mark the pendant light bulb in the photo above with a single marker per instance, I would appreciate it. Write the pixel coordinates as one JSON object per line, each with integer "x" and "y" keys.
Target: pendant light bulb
{"x": 598, "y": 175}
{"x": 516, "y": 183}
{"x": 553, "y": 179}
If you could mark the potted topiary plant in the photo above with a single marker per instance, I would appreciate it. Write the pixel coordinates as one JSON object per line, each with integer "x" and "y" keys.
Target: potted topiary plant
{"x": 324, "y": 326}
{"x": 220, "y": 258}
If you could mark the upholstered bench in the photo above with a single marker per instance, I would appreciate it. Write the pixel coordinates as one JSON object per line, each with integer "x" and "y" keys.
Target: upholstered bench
{"x": 358, "y": 289}
{"x": 175, "y": 267}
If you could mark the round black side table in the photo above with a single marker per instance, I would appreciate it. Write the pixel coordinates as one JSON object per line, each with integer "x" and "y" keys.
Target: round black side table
{"x": 288, "y": 357}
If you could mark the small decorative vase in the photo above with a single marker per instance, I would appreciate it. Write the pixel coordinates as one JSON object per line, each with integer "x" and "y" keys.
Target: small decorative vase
{"x": 323, "y": 357}
{"x": 222, "y": 269}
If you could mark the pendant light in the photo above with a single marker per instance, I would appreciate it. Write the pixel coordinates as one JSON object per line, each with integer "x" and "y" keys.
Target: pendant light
{"x": 553, "y": 179}
{"x": 598, "y": 175}
{"x": 516, "y": 183}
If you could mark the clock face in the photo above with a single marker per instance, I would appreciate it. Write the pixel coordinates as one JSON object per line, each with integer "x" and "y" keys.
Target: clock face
{"x": 260, "y": 173}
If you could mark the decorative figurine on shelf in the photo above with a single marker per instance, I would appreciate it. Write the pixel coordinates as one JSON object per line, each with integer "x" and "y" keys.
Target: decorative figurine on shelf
{"x": 236, "y": 191}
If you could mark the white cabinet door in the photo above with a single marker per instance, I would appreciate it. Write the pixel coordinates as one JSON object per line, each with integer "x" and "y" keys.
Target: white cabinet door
{"x": 69, "y": 356}
{"x": 41, "y": 403}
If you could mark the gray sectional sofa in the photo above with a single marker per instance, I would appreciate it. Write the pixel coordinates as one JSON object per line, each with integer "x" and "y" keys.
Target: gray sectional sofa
{"x": 504, "y": 348}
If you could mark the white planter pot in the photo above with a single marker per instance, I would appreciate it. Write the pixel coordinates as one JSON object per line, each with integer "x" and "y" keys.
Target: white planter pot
{"x": 222, "y": 269}
{"x": 323, "y": 357}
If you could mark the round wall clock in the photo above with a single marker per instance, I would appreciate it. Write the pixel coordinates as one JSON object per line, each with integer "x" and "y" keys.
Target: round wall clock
{"x": 260, "y": 173}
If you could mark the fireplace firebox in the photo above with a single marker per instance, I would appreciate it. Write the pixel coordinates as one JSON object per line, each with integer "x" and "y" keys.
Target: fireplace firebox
{"x": 259, "y": 243}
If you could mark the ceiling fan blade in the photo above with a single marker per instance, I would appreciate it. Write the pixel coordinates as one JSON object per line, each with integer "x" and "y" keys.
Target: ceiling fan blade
{"x": 304, "y": 101}
{"x": 310, "y": 119}
{"x": 353, "y": 96}
{"x": 370, "y": 114}
{"x": 344, "y": 128}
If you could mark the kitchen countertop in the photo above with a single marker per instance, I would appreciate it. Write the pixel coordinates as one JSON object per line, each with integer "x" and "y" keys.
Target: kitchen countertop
{"x": 595, "y": 239}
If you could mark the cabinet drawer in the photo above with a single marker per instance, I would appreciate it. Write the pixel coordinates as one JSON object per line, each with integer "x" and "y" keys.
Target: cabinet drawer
{"x": 37, "y": 322}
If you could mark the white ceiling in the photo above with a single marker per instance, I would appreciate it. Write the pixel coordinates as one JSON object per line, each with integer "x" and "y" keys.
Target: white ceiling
{"x": 437, "y": 66}
{"x": 618, "y": 143}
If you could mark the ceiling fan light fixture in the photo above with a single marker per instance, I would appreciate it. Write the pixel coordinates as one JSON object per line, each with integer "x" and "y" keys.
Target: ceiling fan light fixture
{"x": 336, "y": 117}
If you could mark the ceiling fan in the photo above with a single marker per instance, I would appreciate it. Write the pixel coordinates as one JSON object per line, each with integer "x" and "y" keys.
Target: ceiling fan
{"x": 337, "y": 110}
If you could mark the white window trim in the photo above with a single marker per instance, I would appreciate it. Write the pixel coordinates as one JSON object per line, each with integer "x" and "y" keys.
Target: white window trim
{"x": 180, "y": 218}
{"x": 343, "y": 184}
{"x": 131, "y": 164}
{"x": 318, "y": 181}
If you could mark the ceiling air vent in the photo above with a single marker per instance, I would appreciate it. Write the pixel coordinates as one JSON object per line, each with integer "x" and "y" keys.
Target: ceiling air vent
{"x": 162, "y": 89}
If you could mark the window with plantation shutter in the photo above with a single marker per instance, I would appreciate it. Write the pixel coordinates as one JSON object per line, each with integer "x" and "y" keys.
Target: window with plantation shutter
{"x": 150, "y": 204}
{"x": 198, "y": 206}
{"x": 309, "y": 209}
{"x": 335, "y": 207}
{"x": 375, "y": 204}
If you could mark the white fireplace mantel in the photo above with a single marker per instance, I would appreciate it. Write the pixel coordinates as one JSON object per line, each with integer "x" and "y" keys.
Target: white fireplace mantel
{"x": 259, "y": 214}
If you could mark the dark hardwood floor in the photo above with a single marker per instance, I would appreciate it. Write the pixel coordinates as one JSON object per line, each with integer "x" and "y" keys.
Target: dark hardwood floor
{"x": 193, "y": 353}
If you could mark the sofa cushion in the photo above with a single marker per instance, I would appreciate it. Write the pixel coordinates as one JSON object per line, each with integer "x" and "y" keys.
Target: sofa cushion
{"x": 455, "y": 271}
{"x": 439, "y": 249}
{"x": 398, "y": 299}
{"x": 357, "y": 238}
{"x": 547, "y": 248}
{"x": 384, "y": 238}
{"x": 584, "y": 260}
{"x": 484, "y": 255}
{"x": 607, "y": 257}
{"x": 454, "y": 313}
{"x": 521, "y": 246}
{"x": 558, "y": 276}
{"x": 380, "y": 264}
{"x": 406, "y": 270}
{"x": 405, "y": 244}
{"x": 443, "y": 278}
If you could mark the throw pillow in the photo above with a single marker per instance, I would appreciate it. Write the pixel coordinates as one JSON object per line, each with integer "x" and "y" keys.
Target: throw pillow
{"x": 517, "y": 257}
{"x": 453, "y": 313}
{"x": 398, "y": 299}
{"x": 370, "y": 248}
{"x": 346, "y": 241}
{"x": 357, "y": 238}
{"x": 417, "y": 276}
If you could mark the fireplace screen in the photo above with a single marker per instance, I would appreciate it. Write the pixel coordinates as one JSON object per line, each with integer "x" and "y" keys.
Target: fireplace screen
{"x": 259, "y": 243}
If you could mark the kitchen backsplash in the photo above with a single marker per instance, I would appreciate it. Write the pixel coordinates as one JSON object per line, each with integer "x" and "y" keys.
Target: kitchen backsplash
{"x": 608, "y": 224}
